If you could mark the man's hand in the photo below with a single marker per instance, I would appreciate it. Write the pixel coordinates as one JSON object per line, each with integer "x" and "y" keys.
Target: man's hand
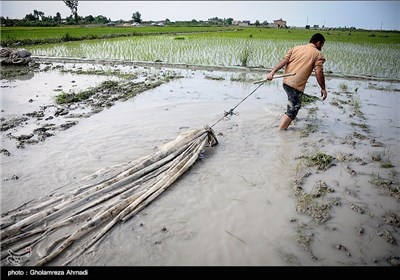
{"x": 324, "y": 94}
{"x": 270, "y": 76}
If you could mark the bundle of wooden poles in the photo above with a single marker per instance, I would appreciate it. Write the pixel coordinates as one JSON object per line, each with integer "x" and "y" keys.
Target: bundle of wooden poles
{"x": 65, "y": 225}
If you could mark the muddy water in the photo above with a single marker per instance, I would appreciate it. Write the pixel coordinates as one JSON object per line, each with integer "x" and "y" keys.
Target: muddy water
{"x": 235, "y": 206}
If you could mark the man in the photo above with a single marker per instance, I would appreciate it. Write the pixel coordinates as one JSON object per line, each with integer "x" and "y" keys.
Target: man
{"x": 301, "y": 60}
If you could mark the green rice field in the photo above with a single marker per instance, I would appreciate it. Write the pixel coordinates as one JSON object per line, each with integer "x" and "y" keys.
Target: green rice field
{"x": 347, "y": 52}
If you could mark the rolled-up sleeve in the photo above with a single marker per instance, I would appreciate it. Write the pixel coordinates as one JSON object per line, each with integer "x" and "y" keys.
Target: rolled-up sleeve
{"x": 319, "y": 63}
{"x": 288, "y": 54}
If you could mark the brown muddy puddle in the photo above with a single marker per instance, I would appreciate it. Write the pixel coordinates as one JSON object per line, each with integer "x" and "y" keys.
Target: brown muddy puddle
{"x": 237, "y": 205}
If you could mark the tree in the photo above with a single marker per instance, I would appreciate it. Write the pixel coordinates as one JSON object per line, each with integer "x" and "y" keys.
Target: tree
{"x": 89, "y": 19}
{"x": 38, "y": 14}
{"x": 257, "y": 23}
{"x": 30, "y": 17}
{"x": 229, "y": 21}
{"x": 136, "y": 17}
{"x": 58, "y": 17}
{"x": 73, "y": 5}
{"x": 101, "y": 19}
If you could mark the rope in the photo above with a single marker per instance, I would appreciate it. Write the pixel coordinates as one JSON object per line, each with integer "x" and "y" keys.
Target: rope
{"x": 230, "y": 112}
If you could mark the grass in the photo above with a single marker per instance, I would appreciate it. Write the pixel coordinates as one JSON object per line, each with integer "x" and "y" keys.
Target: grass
{"x": 320, "y": 160}
{"x": 116, "y": 90}
{"x": 363, "y": 126}
{"x": 307, "y": 99}
{"x": 27, "y": 35}
{"x": 37, "y": 35}
{"x": 355, "y": 102}
{"x": 343, "y": 87}
{"x": 308, "y": 129}
{"x": 378, "y": 180}
{"x": 64, "y": 98}
{"x": 391, "y": 185}
{"x": 244, "y": 58}
{"x": 355, "y": 54}
{"x": 387, "y": 164}
{"x": 380, "y": 61}
{"x": 358, "y": 37}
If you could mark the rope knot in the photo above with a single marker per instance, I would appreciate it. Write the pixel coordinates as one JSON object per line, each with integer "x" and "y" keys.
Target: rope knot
{"x": 230, "y": 113}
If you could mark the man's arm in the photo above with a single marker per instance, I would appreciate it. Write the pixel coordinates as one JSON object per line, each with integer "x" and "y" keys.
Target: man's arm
{"x": 279, "y": 66}
{"x": 319, "y": 74}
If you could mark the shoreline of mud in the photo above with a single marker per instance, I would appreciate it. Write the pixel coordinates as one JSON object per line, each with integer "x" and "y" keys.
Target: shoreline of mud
{"x": 194, "y": 67}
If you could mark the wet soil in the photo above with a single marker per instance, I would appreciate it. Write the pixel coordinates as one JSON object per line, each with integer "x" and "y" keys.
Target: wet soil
{"x": 324, "y": 192}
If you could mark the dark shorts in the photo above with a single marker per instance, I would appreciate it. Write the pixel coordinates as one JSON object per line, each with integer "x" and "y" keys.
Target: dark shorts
{"x": 294, "y": 101}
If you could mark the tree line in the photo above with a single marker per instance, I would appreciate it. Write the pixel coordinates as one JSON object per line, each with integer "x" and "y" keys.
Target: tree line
{"x": 38, "y": 18}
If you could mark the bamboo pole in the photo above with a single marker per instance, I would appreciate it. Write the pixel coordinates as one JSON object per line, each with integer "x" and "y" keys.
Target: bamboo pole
{"x": 88, "y": 212}
{"x": 275, "y": 77}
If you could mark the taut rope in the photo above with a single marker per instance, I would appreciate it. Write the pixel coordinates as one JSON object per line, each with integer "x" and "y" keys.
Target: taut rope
{"x": 261, "y": 82}
{"x": 230, "y": 112}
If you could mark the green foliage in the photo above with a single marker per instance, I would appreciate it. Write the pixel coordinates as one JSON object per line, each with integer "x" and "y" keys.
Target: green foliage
{"x": 67, "y": 37}
{"x": 244, "y": 56}
{"x": 43, "y": 35}
{"x": 46, "y": 34}
{"x": 64, "y": 98}
{"x": 216, "y": 45}
{"x": 136, "y": 17}
{"x": 307, "y": 99}
{"x": 320, "y": 160}
{"x": 343, "y": 87}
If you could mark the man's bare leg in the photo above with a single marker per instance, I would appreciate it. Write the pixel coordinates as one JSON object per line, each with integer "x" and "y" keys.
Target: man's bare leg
{"x": 285, "y": 122}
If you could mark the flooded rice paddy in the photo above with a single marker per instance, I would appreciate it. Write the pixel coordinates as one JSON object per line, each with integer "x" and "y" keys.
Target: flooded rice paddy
{"x": 255, "y": 199}
{"x": 353, "y": 59}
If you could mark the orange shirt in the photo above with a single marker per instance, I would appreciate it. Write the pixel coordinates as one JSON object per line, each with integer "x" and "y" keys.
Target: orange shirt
{"x": 302, "y": 61}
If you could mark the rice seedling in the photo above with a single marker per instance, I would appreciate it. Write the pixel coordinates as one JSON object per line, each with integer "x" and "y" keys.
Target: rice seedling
{"x": 359, "y": 54}
{"x": 345, "y": 58}
{"x": 252, "y": 184}
{"x": 64, "y": 98}
{"x": 390, "y": 185}
{"x": 355, "y": 102}
{"x": 320, "y": 160}
{"x": 116, "y": 89}
{"x": 343, "y": 87}
{"x": 244, "y": 56}
{"x": 304, "y": 241}
{"x": 288, "y": 258}
{"x": 308, "y": 129}
{"x": 387, "y": 164}
{"x": 363, "y": 126}
{"x": 307, "y": 99}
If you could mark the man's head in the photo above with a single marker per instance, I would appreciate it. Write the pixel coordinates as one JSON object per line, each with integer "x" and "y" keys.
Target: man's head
{"x": 318, "y": 40}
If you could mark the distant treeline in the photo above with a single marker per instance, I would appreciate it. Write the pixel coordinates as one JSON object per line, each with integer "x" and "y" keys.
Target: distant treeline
{"x": 38, "y": 19}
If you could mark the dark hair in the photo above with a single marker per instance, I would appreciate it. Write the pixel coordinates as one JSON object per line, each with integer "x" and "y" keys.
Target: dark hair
{"x": 317, "y": 37}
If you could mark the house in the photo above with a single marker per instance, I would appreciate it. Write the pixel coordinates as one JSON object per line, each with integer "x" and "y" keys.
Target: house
{"x": 160, "y": 23}
{"x": 280, "y": 23}
{"x": 241, "y": 23}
